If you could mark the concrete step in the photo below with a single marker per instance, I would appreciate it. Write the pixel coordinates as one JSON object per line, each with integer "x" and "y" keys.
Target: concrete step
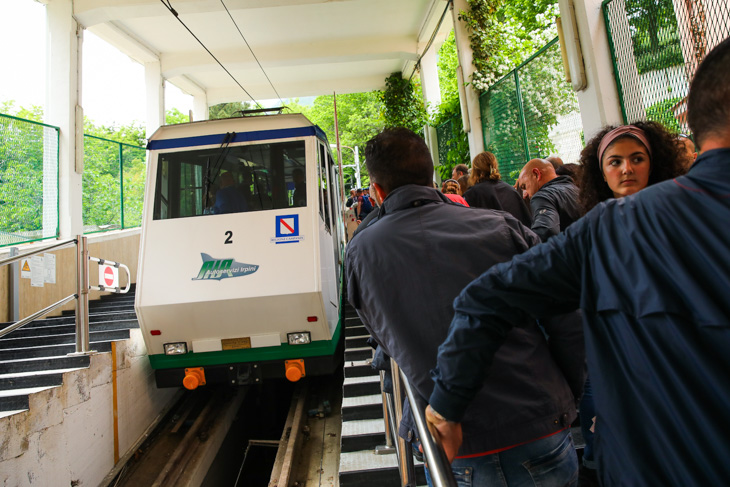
{"x": 20, "y": 343}
{"x": 365, "y": 469}
{"x": 362, "y": 407}
{"x": 362, "y": 435}
{"x": 361, "y": 386}
{"x": 362, "y": 353}
{"x": 359, "y": 368}
{"x": 70, "y": 328}
{"x": 46, "y": 363}
{"x": 27, "y": 380}
{"x": 359, "y": 341}
{"x": 93, "y": 318}
{"x": 358, "y": 330}
{"x": 21, "y": 354}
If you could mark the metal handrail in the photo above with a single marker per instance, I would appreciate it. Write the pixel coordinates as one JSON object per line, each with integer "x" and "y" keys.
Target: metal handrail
{"x": 82, "y": 290}
{"x": 438, "y": 464}
{"x": 16, "y": 258}
{"x": 36, "y": 315}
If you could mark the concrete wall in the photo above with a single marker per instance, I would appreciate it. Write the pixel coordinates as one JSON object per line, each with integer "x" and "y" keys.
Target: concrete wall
{"x": 120, "y": 246}
{"x": 67, "y": 437}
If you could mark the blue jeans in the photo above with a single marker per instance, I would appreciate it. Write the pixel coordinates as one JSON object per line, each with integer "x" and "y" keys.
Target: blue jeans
{"x": 587, "y": 412}
{"x": 549, "y": 462}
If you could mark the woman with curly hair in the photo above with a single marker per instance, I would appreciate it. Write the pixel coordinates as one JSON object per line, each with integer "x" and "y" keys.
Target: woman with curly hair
{"x": 620, "y": 161}
{"x": 489, "y": 191}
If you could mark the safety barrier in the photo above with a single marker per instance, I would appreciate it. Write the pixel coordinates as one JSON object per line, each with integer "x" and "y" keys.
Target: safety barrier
{"x": 656, "y": 47}
{"x": 82, "y": 289}
{"x": 532, "y": 112}
{"x": 113, "y": 184}
{"x": 28, "y": 181}
{"x": 438, "y": 464}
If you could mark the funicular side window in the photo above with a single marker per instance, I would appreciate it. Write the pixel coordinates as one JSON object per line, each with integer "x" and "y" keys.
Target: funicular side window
{"x": 230, "y": 180}
{"x": 324, "y": 206}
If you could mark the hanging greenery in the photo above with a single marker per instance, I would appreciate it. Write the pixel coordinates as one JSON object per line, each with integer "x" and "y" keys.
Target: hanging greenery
{"x": 402, "y": 105}
{"x": 503, "y": 34}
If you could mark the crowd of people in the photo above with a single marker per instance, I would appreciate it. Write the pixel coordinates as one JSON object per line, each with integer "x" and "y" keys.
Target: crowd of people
{"x": 599, "y": 287}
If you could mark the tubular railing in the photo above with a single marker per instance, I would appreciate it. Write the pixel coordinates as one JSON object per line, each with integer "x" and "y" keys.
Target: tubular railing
{"x": 82, "y": 290}
{"x": 438, "y": 465}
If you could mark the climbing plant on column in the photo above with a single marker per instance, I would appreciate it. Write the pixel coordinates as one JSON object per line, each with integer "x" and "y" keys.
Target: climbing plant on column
{"x": 402, "y": 107}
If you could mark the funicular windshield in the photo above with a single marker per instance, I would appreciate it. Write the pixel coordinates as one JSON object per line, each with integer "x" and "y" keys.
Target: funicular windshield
{"x": 226, "y": 179}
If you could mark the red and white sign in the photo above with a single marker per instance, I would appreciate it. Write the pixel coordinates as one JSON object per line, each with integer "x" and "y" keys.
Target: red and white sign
{"x": 108, "y": 276}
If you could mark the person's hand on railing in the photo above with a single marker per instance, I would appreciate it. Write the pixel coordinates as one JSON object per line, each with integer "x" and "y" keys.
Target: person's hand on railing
{"x": 446, "y": 432}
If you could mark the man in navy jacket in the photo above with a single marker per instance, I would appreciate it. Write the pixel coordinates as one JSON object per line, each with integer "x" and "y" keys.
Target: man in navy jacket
{"x": 403, "y": 273}
{"x": 651, "y": 273}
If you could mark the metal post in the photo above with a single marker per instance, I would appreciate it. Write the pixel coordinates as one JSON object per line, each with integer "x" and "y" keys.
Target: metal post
{"x": 357, "y": 167}
{"x": 388, "y": 448}
{"x": 82, "y": 291}
{"x": 14, "y": 287}
{"x": 405, "y": 457}
{"x": 523, "y": 124}
{"x": 121, "y": 187}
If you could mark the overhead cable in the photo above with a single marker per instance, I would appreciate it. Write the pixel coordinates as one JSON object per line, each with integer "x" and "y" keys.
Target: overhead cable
{"x": 252, "y": 53}
{"x": 169, "y": 7}
{"x": 430, "y": 41}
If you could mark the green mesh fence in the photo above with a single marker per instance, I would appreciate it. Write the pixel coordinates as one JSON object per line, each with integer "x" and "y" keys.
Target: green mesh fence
{"x": 444, "y": 134}
{"x": 532, "y": 113}
{"x": 113, "y": 184}
{"x": 28, "y": 181}
{"x": 656, "y": 46}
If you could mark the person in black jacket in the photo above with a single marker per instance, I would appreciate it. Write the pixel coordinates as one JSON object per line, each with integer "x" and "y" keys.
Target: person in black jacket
{"x": 489, "y": 191}
{"x": 553, "y": 198}
{"x": 420, "y": 253}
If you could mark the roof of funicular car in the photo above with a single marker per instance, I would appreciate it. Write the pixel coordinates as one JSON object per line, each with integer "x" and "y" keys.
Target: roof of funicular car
{"x": 213, "y": 132}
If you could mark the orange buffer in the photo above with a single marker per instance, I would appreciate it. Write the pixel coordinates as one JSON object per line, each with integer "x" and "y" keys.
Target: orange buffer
{"x": 194, "y": 377}
{"x": 294, "y": 369}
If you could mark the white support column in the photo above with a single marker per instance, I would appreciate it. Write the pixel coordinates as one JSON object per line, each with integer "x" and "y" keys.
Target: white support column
{"x": 599, "y": 102}
{"x": 155, "y": 91}
{"x": 200, "y": 107}
{"x": 469, "y": 97}
{"x": 63, "y": 109}
{"x": 430, "y": 79}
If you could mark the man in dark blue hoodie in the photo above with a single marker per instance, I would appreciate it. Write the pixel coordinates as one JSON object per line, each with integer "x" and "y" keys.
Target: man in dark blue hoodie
{"x": 651, "y": 273}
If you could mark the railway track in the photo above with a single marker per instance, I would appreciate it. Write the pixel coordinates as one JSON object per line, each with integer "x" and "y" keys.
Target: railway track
{"x": 280, "y": 435}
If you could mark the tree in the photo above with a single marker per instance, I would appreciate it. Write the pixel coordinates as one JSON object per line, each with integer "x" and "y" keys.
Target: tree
{"x": 359, "y": 119}
{"x": 228, "y": 110}
{"x": 175, "y": 116}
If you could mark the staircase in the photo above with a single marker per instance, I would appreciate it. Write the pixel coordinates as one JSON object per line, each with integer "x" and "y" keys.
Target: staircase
{"x": 363, "y": 428}
{"x": 35, "y": 356}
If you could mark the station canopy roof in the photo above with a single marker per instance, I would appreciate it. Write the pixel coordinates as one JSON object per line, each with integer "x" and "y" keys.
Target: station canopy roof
{"x": 306, "y": 47}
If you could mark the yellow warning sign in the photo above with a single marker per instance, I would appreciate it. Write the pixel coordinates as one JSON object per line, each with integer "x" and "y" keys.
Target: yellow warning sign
{"x": 26, "y": 267}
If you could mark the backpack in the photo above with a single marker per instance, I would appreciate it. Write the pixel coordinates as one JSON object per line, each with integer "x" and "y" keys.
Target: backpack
{"x": 367, "y": 206}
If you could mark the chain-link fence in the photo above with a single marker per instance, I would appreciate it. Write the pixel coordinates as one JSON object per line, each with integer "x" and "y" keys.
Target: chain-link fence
{"x": 28, "y": 181}
{"x": 656, "y": 46}
{"x": 532, "y": 112}
{"x": 113, "y": 184}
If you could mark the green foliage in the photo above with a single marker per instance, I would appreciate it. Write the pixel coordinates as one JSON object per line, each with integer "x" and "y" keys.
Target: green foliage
{"x": 447, "y": 63}
{"x": 228, "y": 110}
{"x": 503, "y": 34}
{"x": 175, "y": 116}
{"x": 102, "y": 192}
{"x": 545, "y": 97}
{"x": 359, "y": 119}
{"x": 21, "y": 171}
{"x": 662, "y": 112}
{"x": 401, "y": 105}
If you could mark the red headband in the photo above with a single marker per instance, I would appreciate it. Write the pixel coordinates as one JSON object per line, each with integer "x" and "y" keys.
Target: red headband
{"x": 630, "y": 130}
